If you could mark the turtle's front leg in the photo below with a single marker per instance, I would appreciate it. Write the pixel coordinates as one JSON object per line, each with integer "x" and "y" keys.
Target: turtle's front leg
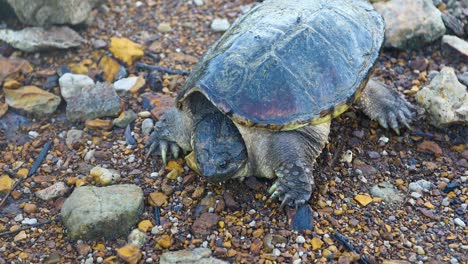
{"x": 386, "y": 106}
{"x": 293, "y": 154}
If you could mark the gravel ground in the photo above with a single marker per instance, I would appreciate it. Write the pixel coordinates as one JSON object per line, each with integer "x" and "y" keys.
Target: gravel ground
{"x": 414, "y": 229}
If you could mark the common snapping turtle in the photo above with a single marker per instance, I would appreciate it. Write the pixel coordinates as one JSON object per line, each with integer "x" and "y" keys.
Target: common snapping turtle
{"x": 260, "y": 101}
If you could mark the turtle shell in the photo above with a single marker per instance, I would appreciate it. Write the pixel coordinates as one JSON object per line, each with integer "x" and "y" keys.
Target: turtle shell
{"x": 290, "y": 63}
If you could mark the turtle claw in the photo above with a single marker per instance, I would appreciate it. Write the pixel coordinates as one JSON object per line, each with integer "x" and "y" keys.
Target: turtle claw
{"x": 154, "y": 143}
{"x": 163, "y": 147}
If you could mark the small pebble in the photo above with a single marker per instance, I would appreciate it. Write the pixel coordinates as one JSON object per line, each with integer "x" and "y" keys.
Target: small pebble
{"x": 300, "y": 240}
{"x": 459, "y": 222}
{"x": 276, "y": 252}
{"x": 29, "y": 221}
{"x": 33, "y": 134}
{"x": 415, "y": 195}
{"x": 220, "y": 25}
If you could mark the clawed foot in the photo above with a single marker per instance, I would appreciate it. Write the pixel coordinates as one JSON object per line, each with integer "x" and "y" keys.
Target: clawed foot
{"x": 287, "y": 195}
{"x": 154, "y": 144}
{"x": 386, "y": 106}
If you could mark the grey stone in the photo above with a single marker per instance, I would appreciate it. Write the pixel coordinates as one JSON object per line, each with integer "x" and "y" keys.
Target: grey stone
{"x": 56, "y": 190}
{"x": 194, "y": 256}
{"x": 445, "y": 99}
{"x": 72, "y": 84}
{"x": 220, "y": 25}
{"x": 455, "y": 45}
{"x": 36, "y": 39}
{"x": 420, "y": 186}
{"x": 147, "y": 126}
{"x": 410, "y": 24}
{"x": 52, "y": 12}
{"x": 93, "y": 102}
{"x": 74, "y": 136}
{"x": 93, "y": 213}
{"x": 387, "y": 192}
{"x": 125, "y": 119}
{"x": 137, "y": 238}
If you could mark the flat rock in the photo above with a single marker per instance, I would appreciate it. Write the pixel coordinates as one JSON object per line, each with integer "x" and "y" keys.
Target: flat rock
{"x": 52, "y": 12}
{"x": 420, "y": 186}
{"x": 102, "y": 212}
{"x": 72, "y": 84}
{"x": 10, "y": 67}
{"x": 56, "y": 190}
{"x": 100, "y": 100}
{"x": 194, "y": 256}
{"x": 204, "y": 224}
{"x": 387, "y": 192}
{"x": 32, "y": 100}
{"x": 125, "y": 118}
{"x": 410, "y": 24}
{"x": 445, "y": 99}
{"x": 456, "y": 46}
{"x": 36, "y": 39}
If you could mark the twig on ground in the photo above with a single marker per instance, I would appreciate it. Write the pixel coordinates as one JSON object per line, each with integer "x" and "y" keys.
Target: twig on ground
{"x": 34, "y": 167}
{"x": 29, "y": 226}
{"x": 143, "y": 66}
{"x": 345, "y": 242}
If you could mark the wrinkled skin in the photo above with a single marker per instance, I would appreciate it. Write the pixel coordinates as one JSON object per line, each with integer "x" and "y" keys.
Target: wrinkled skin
{"x": 288, "y": 156}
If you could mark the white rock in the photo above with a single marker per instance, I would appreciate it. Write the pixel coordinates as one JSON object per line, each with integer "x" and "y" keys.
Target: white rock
{"x": 19, "y": 218}
{"x": 99, "y": 259}
{"x": 144, "y": 114}
{"x": 29, "y": 221}
{"x": 415, "y": 195}
{"x": 125, "y": 84}
{"x": 89, "y": 260}
{"x": 445, "y": 99}
{"x": 459, "y": 222}
{"x": 300, "y": 240}
{"x": 198, "y": 2}
{"x": 456, "y": 44}
{"x": 137, "y": 238}
{"x": 276, "y": 252}
{"x": 421, "y": 185}
{"x": 72, "y": 84}
{"x": 220, "y": 25}
{"x": 33, "y": 134}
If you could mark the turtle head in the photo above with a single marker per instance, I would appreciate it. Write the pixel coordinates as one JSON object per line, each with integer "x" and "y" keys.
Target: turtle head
{"x": 220, "y": 151}
{"x": 175, "y": 126}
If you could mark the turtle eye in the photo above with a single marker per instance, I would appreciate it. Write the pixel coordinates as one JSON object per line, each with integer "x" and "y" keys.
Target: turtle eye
{"x": 223, "y": 164}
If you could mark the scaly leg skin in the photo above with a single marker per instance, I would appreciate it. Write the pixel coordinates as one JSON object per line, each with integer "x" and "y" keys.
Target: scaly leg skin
{"x": 386, "y": 106}
{"x": 171, "y": 132}
{"x": 293, "y": 155}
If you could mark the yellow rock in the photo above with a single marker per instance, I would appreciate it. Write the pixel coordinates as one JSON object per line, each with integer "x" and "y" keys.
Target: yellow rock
{"x": 126, "y": 50}
{"x": 221, "y": 224}
{"x": 326, "y": 253}
{"x": 173, "y": 165}
{"x": 227, "y": 244}
{"x": 23, "y": 255}
{"x": 11, "y": 84}
{"x": 391, "y": 261}
{"x": 164, "y": 242}
{"x": 158, "y": 199}
{"x": 363, "y": 199}
{"x": 129, "y": 253}
{"x": 78, "y": 68}
{"x": 110, "y": 67}
{"x": 98, "y": 124}
{"x": 99, "y": 247}
{"x": 173, "y": 175}
{"x": 22, "y": 173}
{"x": 6, "y": 183}
{"x": 258, "y": 233}
{"x": 111, "y": 260}
{"x": 20, "y": 236}
{"x": 429, "y": 205}
{"x": 316, "y": 243}
{"x": 145, "y": 225}
{"x": 32, "y": 99}
{"x": 80, "y": 182}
